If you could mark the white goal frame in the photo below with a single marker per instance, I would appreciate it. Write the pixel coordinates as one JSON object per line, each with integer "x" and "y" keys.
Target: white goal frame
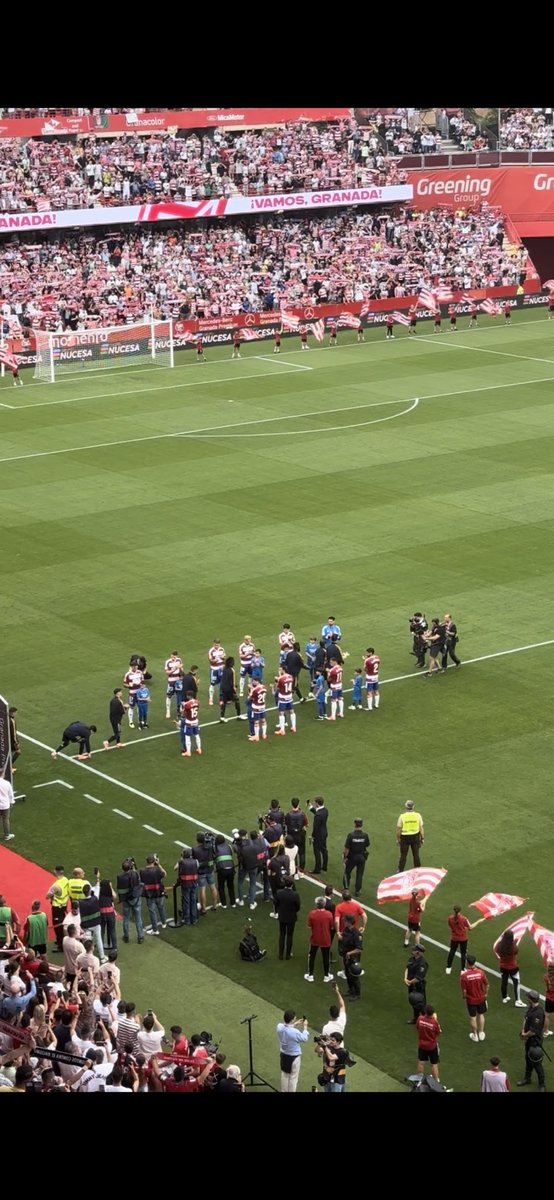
{"x": 76, "y": 346}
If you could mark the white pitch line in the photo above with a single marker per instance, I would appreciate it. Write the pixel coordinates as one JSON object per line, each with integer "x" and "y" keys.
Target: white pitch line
{"x": 152, "y": 737}
{"x": 182, "y": 844}
{"x": 214, "y": 430}
{"x": 323, "y": 429}
{"x": 282, "y": 362}
{"x": 50, "y": 783}
{"x": 165, "y": 387}
{"x": 93, "y": 798}
{"x": 122, "y": 814}
{"x": 152, "y": 830}
{"x": 481, "y": 350}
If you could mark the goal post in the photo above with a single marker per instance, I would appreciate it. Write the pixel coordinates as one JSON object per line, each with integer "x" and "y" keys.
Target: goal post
{"x": 148, "y": 343}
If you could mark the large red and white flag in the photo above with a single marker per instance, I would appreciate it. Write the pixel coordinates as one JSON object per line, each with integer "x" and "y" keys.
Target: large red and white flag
{"x": 494, "y": 903}
{"x": 426, "y": 299}
{"x": 443, "y": 294}
{"x": 401, "y": 318}
{"x": 549, "y": 285}
{"x": 488, "y": 306}
{"x": 8, "y": 359}
{"x": 250, "y": 335}
{"x": 544, "y": 939}
{"x": 518, "y": 928}
{"x": 290, "y": 322}
{"x": 366, "y": 306}
{"x": 400, "y": 887}
{"x": 348, "y": 321}
{"x": 318, "y": 330}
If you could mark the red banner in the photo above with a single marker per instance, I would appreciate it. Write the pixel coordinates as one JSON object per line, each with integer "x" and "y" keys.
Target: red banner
{"x": 521, "y": 192}
{"x": 157, "y": 122}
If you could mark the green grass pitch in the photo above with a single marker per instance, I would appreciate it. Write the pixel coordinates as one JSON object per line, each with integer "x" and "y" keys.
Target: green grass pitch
{"x": 313, "y": 484}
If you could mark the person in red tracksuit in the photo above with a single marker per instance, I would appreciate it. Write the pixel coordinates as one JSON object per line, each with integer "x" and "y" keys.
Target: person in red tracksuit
{"x": 416, "y": 905}
{"x": 507, "y": 953}
{"x": 459, "y": 929}
{"x": 475, "y": 988}
{"x": 320, "y": 925}
{"x": 428, "y": 1030}
{"x": 549, "y": 998}
{"x": 389, "y": 322}
{"x": 507, "y": 310}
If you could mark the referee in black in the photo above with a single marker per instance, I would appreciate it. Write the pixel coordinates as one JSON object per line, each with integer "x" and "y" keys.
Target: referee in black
{"x": 117, "y": 712}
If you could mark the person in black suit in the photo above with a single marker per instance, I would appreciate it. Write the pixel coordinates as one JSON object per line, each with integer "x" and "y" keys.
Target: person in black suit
{"x": 287, "y": 905}
{"x": 319, "y": 834}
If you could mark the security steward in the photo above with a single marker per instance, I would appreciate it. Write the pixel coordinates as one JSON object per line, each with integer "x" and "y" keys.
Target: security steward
{"x": 355, "y": 853}
{"x": 415, "y": 980}
{"x": 410, "y": 834}
{"x": 57, "y": 894}
{"x": 351, "y": 946}
{"x": 76, "y": 885}
{"x": 532, "y": 1034}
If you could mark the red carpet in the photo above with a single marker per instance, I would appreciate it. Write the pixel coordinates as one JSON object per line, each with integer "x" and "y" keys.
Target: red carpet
{"x": 21, "y": 882}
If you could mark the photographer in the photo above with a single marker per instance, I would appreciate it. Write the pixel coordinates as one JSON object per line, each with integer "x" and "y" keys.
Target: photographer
{"x": 129, "y": 891}
{"x": 187, "y": 869}
{"x": 204, "y": 853}
{"x": 152, "y": 876}
{"x": 225, "y": 868}
{"x": 335, "y": 1061}
{"x": 290, "y": 1047}
{"x": 418, "y": 626}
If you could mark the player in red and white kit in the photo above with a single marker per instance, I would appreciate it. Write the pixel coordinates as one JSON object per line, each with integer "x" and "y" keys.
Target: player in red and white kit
{"x": 200, "y": 350}
{"x": 132, "y": 680}
{"x": 216, "y": 659}
{"x": 173, "y": 668}
{"x": 360, "y": 331}
{"x": 16, "y": 376}
{"x": 284, "y": 685}
{"x": 334, "y": 679}
{"x": 473, "y": 316}
{"x": 258, "y": 694}
{"x": 236, "y": 343}
{"x": 372, "y": 662}
{"x": 286, "y": 643}
{"x": 332, "y": 333}
{"x": 189, "y": 726}
{"x": 246, "y": 654}
{"x": 277, "y": 346}
{"x": 437, "y": 318}
{"x": 507, "y": 310}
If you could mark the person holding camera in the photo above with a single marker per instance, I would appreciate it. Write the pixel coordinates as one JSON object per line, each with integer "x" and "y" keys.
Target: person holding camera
{"x": 355, "y": 854}
{"x": 188, "y": 869}
{"x": 291, "y": 1038}
{"x": 152, "y": 877}
{"x": 151, "y": 1035}
{"x": 129, "y": 891}
{"x": 532, "y": 1034}
{"x": 335, "y": 1061}
{"x": 252, "y": 856}
{"x": 204, "y": 853}
{"x": 418, "y": 627}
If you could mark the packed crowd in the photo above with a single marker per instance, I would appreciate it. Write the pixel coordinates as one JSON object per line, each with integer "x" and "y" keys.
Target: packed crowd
{"x": 402, "y": 132}
{"x": 526, "y": 129}
{"x": 16, "y": 113}
{"x": 95, "y": 172}
{"x": 66, "y": 1027}
{"x": 253, "y": 265}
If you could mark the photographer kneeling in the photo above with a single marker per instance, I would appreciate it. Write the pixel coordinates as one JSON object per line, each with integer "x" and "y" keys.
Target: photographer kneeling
{"x": 335, "y": 1061}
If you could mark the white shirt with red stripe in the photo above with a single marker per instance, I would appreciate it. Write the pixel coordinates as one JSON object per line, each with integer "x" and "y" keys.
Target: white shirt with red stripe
{"x": 334, "y": 676}
{"x": 246, "y": 653}
{"x": 286, "y": 640}
{"x": 133, "y": 680}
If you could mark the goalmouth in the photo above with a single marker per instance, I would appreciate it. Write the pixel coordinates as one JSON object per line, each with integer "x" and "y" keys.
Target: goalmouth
{"x": 148, "y": 343}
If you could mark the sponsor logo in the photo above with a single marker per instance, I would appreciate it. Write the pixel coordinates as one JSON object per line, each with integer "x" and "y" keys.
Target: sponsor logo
{"x": 250, "y": 319}
{"x": 470, "y": 186}
{"x": 122, "y": 348}
{"x": 217, "y": 118}
{"x": 27, "y": 220}
{"x": 543, "y": 182}
{"x": 308, "y": 313}
{"x": 531, "y": 300}
{"x": 67, "y": 355}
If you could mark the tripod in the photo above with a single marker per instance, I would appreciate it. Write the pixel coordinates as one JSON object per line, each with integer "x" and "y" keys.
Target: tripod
{"x": 252, "y": 1079}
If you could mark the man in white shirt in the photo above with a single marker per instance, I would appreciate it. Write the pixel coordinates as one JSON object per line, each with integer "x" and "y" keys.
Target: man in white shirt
{"x": 94, "y": 1078}
{"x": 6, "y": 800}
{"x": 151, "y": 1035}
{"x": 337, "y": 1014}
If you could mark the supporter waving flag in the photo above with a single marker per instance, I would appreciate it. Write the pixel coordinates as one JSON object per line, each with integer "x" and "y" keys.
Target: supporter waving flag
{"x": 518, "y": 928}
{"x": 549, "y": 285}
{"x": 8, "y": 359}
{"x": 400, "y": 887}
{"x": 348, "y": 321}
{"x": 401, "y": 318}
{"x": 492, "y": 904}
{"x": 544, "y": 939}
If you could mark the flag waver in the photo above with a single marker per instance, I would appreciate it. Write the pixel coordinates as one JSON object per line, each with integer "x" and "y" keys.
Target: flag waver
{"x": 492, "y": 904}
{"x": 348, "y": 321}
{"x": 289, "y": 322}
{"x": 318, "y": 330}
{"x": 8, "y": 359}
{"x": 488, "y": 306}
{"x": 401, "y": 318}
{"x": 400, "y": 887}
{"x": 544, "y": 939}
{"x": 518, "y": 928}
{"x": 443, "y": 294}
{"x": 427, "y": 299}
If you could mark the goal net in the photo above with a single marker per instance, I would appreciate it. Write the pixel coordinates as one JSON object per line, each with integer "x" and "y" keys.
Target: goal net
{"x": 149, "y": 343}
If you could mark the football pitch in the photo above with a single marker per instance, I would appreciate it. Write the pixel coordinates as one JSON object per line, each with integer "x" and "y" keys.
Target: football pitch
{"x": 144, "y": 510}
